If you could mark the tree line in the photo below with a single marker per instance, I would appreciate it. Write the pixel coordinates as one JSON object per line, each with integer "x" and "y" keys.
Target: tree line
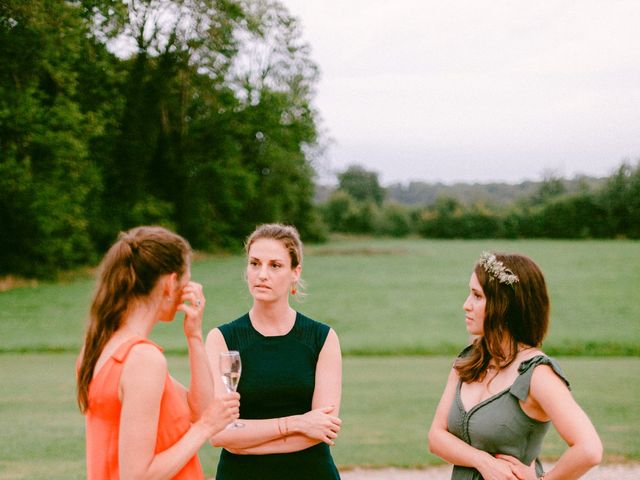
{"x": 604, "y": 208}
{"x": 417, "y": 193}
{"x": 195, "y": 115}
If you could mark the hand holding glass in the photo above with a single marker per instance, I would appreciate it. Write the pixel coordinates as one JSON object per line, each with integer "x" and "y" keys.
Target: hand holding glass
{"x": 230, "y": 369}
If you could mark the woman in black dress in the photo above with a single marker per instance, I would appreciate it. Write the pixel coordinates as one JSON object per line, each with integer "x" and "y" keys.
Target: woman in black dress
{"x": 291, "y": 372}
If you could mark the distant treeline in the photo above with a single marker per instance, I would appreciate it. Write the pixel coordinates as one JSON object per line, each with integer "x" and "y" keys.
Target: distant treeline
{"x": 202, "y": 123}
{"x": 553, "y": 208}
{"x": 497, "y": 193}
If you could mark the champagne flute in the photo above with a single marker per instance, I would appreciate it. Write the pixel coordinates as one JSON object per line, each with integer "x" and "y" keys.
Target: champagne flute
{"x": 230, "y": 369}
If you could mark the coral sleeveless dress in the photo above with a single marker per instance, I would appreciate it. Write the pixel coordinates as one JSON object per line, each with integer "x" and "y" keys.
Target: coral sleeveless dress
{"x": 103, "y": 419}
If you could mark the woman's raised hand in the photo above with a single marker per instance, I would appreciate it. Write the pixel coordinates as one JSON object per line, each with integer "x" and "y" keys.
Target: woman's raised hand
{"x": 319, "y": 425}
{"x": 192, "y": 304}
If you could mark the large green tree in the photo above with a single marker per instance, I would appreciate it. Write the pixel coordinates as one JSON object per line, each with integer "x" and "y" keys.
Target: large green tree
{"x": 46, "y": 175}
{"x": 168, "y": 46}
{"x": 195, "y": 114}
{"x": 274, "y": 79}
{"x": 217, "y": 118}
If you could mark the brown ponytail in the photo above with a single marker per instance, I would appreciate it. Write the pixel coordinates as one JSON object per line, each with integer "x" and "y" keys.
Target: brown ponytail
{"x": 129, "y": 270}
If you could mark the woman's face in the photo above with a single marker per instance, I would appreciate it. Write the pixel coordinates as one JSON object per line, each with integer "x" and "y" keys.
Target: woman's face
{"x": 269, "y": 272}
{"x": 474, "y": 307}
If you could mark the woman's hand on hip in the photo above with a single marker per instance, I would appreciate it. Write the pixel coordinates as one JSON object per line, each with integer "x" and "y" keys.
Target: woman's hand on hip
{"x": 519, "y": 469}
{"x": 492, "y": 468}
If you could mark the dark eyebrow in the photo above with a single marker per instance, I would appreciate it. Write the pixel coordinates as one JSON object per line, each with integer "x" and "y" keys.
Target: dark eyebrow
{"x": 271, "y": 260}
{"x": 279, "y": 260}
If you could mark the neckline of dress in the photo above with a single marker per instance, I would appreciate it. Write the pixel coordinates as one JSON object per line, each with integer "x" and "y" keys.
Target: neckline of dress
{"x": 495, "y": 395}
{"x": 295, "y": 322}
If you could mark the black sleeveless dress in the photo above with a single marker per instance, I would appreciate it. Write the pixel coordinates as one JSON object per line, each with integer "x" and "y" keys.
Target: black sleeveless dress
{"x": 278, "y": 379}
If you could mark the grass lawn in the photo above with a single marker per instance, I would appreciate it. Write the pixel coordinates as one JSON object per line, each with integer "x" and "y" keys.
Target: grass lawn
{"x": 387, "y": 407}
{"x": 397, "y": 307}
{"x": 382, "y": 296}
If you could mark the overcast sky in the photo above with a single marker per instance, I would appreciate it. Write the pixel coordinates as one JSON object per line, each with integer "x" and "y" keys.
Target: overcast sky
{"x": 476, "y": 90}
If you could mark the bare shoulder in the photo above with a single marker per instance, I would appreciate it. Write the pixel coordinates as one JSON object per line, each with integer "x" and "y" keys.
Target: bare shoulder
{"x": 331, "y": 343}
{"x": 147, "y": 358}
{"x": 545, "y": 373}
{"x": 214, "y": 334}
{"x": 332, "y": 336}
{"x": 215, "y": 340}
{"x": 547, "y": 384}
{"x": 143, "y": 375}
{"x": 528, "y": 354}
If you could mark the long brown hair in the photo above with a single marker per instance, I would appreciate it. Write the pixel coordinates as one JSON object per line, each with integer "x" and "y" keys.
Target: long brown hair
{"x": 130, "y": 270}
{"x": 517, "y": 314}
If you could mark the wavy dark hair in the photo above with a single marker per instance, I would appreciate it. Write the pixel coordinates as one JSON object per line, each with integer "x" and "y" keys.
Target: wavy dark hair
{"x": 515, "y": 315}
{"x": 129, "y": 271}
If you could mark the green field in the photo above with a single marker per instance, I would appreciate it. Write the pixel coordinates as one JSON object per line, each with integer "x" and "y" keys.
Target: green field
{"x": 382, "y": 297}
{"x": 387, "y": 407}
{"x": 389, "y": 301}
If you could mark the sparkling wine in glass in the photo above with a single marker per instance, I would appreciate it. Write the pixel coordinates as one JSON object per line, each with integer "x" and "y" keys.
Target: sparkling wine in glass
{"x": 230, "y": 370}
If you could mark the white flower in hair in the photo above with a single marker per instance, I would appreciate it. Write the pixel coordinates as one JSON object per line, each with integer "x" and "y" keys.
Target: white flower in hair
{"x": 496, "y": 268}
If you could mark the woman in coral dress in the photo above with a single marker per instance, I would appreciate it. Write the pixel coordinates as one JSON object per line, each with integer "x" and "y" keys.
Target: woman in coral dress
{"x": 140, "y": 422}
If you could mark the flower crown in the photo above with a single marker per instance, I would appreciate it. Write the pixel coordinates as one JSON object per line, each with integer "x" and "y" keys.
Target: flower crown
{"x": 496, "y": 268}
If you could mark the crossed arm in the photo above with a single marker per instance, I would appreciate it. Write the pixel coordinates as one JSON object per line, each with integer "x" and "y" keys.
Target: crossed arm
{"x": 295, "y": 432}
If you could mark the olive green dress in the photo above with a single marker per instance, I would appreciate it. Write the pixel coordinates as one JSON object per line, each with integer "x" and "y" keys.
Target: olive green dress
{"x": 498, "y": 424}
{"x": 277, "y": 380}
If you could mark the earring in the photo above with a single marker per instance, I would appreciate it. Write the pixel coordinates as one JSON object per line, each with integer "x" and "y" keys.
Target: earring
{"x": 294, "y": 290}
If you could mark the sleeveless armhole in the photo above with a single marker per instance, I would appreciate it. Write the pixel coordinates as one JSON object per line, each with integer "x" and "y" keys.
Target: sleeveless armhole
{"x": 311, "y": 333}
{"x": 121, "y": 353}
{"x": 226, "y": 332}
{"x": 520, "y": 388}
{"x": 238, "y": 334}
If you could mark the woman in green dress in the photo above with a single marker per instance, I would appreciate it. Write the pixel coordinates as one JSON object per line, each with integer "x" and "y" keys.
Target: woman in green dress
{"x": 503, "y": 391}
{"x": 291, "y": 372}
